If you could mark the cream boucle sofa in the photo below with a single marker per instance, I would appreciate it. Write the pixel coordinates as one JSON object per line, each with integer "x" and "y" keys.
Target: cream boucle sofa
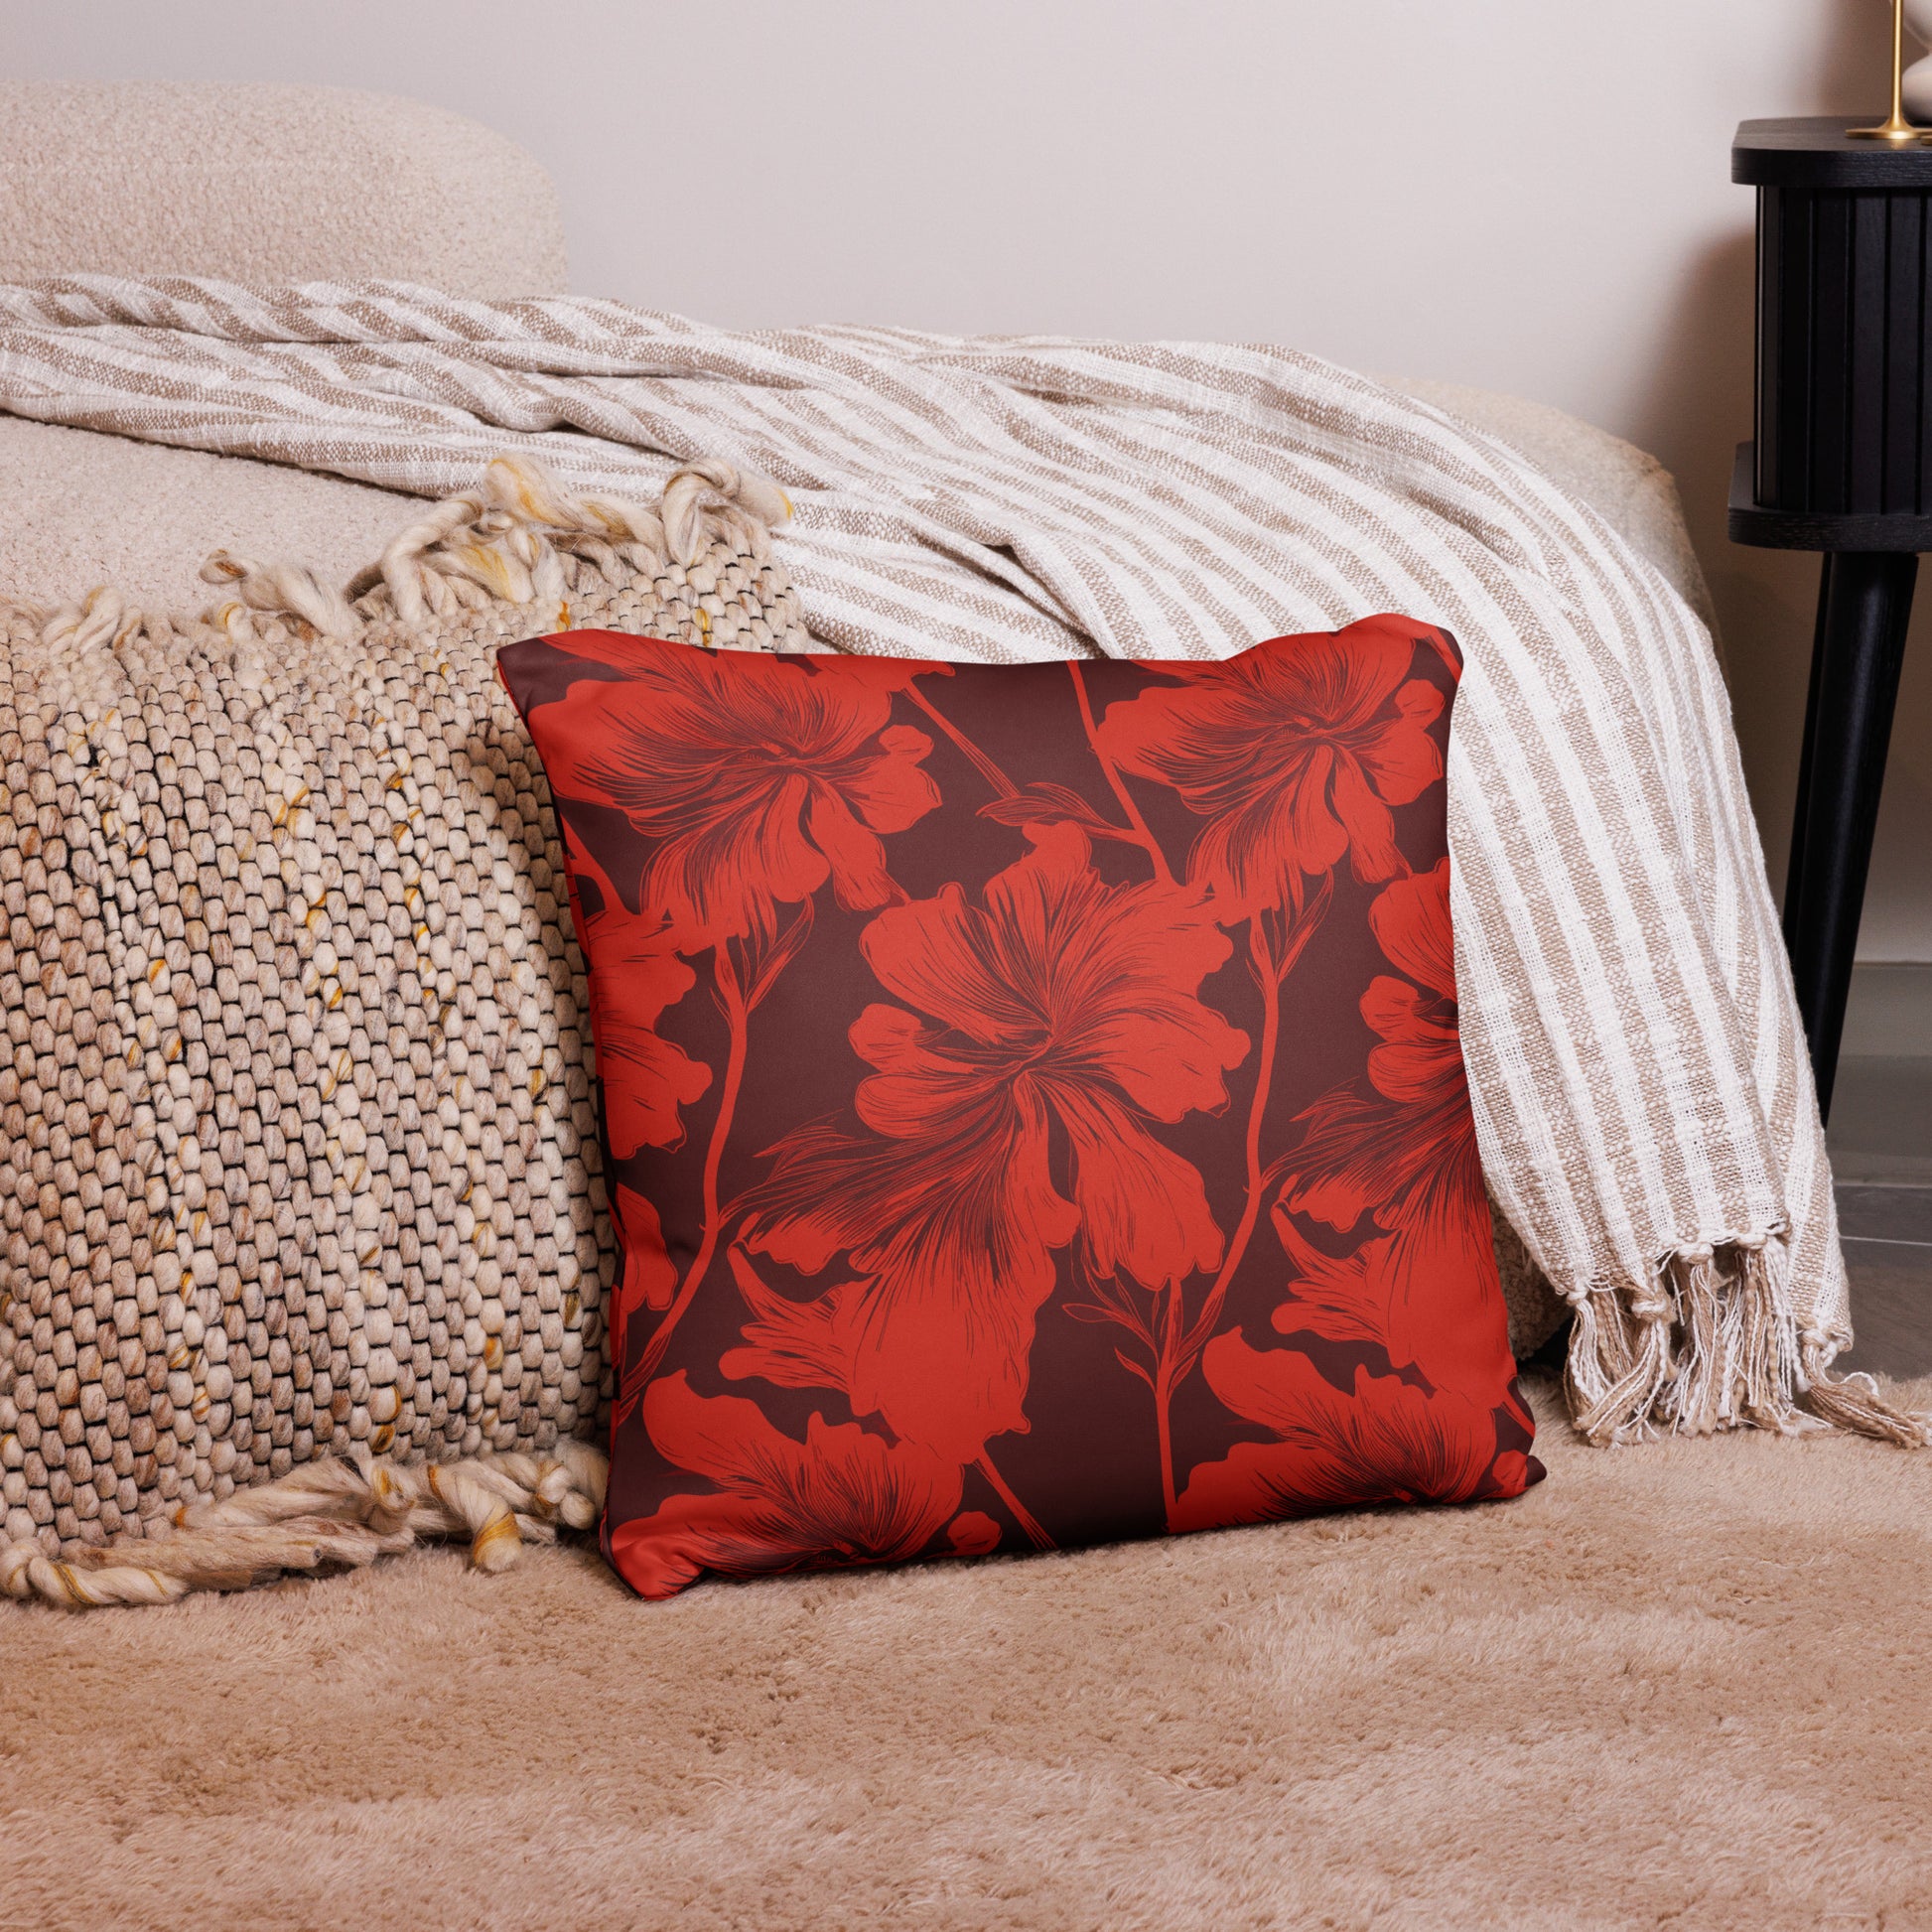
{"x": 254, "y": 183}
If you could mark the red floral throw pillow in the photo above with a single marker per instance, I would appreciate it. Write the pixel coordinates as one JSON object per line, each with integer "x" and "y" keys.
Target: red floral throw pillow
{"x": 1034, "y": 1106}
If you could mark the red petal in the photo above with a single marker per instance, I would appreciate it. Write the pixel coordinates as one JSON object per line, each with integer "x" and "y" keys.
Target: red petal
{"x": 918, "y": 1090}
{"x": 1260, "y": 1482}
{"x": 855, "y": 855}
{"x": 723, "y": 1436}
{"x": 1388, "y": 1441}
{"x": 646, "y": 1080}
{"x": 1330, "y": 1296}
{"x": 974, "y": 1534}
{"x": 1372, "y": 853}
{"x": 662, "y": 1554}
{"x": 1402, "y": 758}
{"x": 723, "y": 879}
{"x": 796, "y": 1345}
{"x": 1460, "y": 1341}
{"x": 956, "y": 1236}
{"x": 649, "y": 1278}
{"x": 1317, "y": 835}
{"x": 1411, "y": 922}
{"x": 1143, "y": 1208}
{"x": 843, "y": 1495}
{"x": 891, "y": 793}
{"x": 936, "y": 954}
{"x": 636, "y": 975}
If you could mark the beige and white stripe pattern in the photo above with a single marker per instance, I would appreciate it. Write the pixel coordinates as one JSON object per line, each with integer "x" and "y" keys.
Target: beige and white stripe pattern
{"x": 1645, "y": 1106}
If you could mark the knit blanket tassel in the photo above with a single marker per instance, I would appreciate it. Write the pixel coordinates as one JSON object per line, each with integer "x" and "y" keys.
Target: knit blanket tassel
{"x": 339, "y": 1512}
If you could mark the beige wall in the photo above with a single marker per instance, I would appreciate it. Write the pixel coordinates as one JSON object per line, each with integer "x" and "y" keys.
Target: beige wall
{"x": 1531, "y": 195}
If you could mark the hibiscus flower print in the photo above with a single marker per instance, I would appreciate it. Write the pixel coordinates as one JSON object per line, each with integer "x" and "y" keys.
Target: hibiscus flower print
{"x": 1293, "y": 756}
{"x": 1388, "y": 1441}
{"x": 1060, "y": 1004}
{"x": 754, "y": 778}
{"x": 636, "y": 975}
{"x": 968, "y": 1042}
{"x": 1400, "y": 1146}
{"x": 843, "y": 1495}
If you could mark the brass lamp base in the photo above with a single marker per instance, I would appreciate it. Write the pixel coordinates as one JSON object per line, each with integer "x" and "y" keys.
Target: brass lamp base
{"x": 1896, "y": 127}
{"x": 1899, "y": 129}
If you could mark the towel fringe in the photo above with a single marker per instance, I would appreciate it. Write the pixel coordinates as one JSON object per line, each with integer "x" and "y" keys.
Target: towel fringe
{"x": 1711, "y": 1343}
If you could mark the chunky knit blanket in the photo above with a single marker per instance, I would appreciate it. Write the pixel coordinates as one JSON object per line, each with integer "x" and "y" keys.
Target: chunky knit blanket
{"x": 1643, "y": 1099}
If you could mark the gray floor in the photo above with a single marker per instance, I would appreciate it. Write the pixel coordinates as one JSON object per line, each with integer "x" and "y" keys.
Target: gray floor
{"x": 1882, "y": 1153}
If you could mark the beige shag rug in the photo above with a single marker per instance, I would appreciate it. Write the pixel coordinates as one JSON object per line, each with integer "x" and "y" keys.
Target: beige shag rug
{"x": 1686, "y": 1684}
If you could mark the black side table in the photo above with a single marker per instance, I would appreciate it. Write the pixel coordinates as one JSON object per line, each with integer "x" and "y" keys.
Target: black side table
{"x": 1842, "y": 463}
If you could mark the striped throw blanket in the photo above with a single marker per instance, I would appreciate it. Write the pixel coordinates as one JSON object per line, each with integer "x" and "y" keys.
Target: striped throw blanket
{"x": 1642, "y": 1093}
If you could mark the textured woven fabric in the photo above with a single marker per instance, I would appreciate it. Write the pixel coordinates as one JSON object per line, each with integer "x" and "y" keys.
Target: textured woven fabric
{"x": 269, "y": 183}
{"x": 1074, "y": 1144}
{"x": 1638, "y": 1071}
{"x": 298, "y": 1147}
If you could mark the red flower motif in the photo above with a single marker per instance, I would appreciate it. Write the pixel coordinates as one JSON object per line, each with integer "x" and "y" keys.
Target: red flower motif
{"x": 1401, "y": 1146}
{"x": 649, "y": 1278}
{"x": 1387, "y": 1442}
{"x": 843, "y": 1495}
{"x": 636, "y": 974}
{"x": 755, "y": 780}
{"x": 1294, "y": 756}
{"x": 1333, "y": 1295}
{"x": 813, "y": 1344}
{"x": 1066, "y": 1000}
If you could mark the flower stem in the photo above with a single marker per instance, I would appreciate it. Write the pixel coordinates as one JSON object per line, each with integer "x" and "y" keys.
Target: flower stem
{"x": 1270, "y": 974}
{"x": 1018, "y": 1511}
{"x": 1271, "y": 971}
{"x": 983, "y": 764}
{"x": 1162, "y": 1384}
{"x": 737, "y": 1014}
{"x": 1179, "y": 1352}
{"x": 1127, "y": 804}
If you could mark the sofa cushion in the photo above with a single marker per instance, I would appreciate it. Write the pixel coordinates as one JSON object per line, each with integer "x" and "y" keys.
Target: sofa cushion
{"x": 269, "y": 183}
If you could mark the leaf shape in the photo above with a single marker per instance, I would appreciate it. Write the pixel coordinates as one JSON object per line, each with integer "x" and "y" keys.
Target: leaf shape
{"x": 1041, "y": 802}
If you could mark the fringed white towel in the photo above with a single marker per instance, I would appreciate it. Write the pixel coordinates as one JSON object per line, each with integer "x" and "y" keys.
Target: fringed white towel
{"x": 1642, "y": 1093}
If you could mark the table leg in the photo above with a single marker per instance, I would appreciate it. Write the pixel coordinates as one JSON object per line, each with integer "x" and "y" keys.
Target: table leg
{"x": 1864, "y": 598}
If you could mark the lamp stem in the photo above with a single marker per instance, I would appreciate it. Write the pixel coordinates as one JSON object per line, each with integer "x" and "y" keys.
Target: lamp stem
{"x": 1896, "y": 127}
{"x": 1898, "y": 64}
